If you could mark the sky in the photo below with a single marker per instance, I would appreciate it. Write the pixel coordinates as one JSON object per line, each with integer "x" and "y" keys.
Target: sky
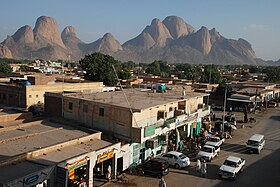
{"x": 257, "y": 21}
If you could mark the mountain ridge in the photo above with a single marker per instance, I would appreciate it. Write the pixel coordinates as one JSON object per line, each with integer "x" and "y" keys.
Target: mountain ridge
{"x": 172, "y": 40}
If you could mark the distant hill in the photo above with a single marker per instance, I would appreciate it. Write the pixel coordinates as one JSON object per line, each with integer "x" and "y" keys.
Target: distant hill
{"x": 172, "y": 40}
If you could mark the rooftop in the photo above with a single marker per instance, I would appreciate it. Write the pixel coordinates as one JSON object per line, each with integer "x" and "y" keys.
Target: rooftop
{"x": 138, "y": 99}
{"x": 33, "y": 136}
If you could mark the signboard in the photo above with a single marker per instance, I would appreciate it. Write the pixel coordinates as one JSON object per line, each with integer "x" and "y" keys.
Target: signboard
{"x": 30, "y": 180}
{"x": 77, "y": 164}
{"x": 150, "y": 130}
{"x": 105, "y": 156}
{"x": 185, "y": 118}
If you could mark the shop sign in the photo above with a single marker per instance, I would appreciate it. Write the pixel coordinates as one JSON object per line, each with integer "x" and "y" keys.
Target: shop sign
{"x": 105, "y": 156}
{"x": 185, "y": 118}
{"x": 32, "y": 179}
{"x": 77, "y": 164}
{"x": 150, "y": 130}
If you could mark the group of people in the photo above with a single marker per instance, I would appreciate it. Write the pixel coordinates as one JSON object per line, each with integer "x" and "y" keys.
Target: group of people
{"x": 201, "y": 167}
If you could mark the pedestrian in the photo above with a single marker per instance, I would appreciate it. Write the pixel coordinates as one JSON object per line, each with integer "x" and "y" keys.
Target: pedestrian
{"x": 109, "y": 173}
{"x": 198, "y": 165}
{"x": 203, "y": 168}
{"x": 152, "y": 155}
{"x": 162, "y": 183}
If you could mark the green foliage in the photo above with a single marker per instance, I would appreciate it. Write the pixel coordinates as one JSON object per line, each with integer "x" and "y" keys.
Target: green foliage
{"x": 124, "y": 74}
{"x": 23, "y": 68}
{"x": 190, "y": 72}
{"x": 272, "y": 74}
{"x": 211, "y": 74}
{"x": 98, "y": 67}
{"x": 158, "y": 68}
{"x": 128, "y": 65}
{"x": 5, "y": 68}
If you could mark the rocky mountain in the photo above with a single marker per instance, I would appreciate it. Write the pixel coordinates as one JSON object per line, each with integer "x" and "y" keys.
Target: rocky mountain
{"x": 172, "y": 40}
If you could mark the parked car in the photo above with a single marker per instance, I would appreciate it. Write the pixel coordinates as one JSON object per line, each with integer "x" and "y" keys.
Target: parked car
{"x": 231, "y": 166}
{"x": 215, "y": 145}
{"x": 177, "y": 159}
{"x": 255, "y": 143}
{"x": 155, "y": 167}
{"x": 216, "y": 139}
{"x": 207, "y": 153}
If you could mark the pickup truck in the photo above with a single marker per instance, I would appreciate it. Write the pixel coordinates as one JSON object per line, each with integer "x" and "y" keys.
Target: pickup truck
{"x": 231, "y": 166}
{"x": 207, "y": 152}
{"x": 214, "y": 144}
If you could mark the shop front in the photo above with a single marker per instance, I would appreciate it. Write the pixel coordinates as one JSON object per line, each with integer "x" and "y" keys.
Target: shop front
{"x": 105, "y": 167}
{"x": 78, "y": 173}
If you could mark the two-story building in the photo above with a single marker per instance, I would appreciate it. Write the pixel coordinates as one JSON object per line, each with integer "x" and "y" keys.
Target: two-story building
{"x": 143, "y": 118}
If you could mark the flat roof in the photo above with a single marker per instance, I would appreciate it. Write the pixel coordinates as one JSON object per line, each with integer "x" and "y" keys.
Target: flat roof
{"x": 71, "y": 152}
{"x": 19, "y": 170}
{"x": 137, "y": 99}
{"x": 37, "y": 135}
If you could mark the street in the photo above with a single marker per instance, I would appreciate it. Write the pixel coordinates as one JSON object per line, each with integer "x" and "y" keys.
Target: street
{"x": 260, "y": 170}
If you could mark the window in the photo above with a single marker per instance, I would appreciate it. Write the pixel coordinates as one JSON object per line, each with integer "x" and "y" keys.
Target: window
{"x": 30, "y": 96}
{"x": 85, "y": 108}
{"x": 101, "y": 111}
{"x": 170, "y": 109}
{"x": 37, "y": 96}
{"x": 70, "y": 105}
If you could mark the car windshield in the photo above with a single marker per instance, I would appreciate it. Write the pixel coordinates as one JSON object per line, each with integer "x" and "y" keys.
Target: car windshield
{"x": 230, "y": 163}
{"x": 213, "y": 139}
{"x": 206, "y": 149}
{"x": 251, "y": 142}
{"x": 182, "y": 156}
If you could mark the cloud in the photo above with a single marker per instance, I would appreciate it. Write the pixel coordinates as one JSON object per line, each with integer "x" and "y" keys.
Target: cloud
{"x": 256, "y": 27}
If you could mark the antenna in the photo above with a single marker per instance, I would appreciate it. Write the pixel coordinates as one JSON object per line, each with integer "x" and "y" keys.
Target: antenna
{"x": 128, "y": 103}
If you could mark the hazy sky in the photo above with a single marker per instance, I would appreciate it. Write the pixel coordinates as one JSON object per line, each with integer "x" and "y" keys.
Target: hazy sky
{"x": 257, "y": 21}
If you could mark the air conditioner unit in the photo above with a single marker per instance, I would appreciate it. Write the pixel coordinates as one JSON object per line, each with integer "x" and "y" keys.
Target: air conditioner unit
{"x": 152, "y": 143}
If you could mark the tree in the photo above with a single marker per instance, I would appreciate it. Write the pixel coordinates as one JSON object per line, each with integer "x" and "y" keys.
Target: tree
{"x": 272, "y": 74}
{"x": 5, "y": 68}
{"x": 158, "y": 68}
{"x": 124, "y": 74}
{"x": 128, "y": 65}
{"x": 190, "y": 72}
{"x": 98, "y": 67}
{"x": 211, "y": 74}
{"x": 23, "y": 68}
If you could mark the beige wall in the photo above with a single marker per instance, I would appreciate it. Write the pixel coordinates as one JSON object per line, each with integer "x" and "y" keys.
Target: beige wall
{"x": 35, "y": 93}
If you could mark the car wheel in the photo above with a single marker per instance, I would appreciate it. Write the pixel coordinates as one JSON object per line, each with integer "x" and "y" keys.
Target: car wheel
{"x": 242, "y": 169}
{"x": 234, "y": 177}
{"x": 177, "y": 166}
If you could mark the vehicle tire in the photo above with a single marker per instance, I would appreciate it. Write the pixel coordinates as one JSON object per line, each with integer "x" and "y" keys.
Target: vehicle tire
{"x": 258, "y": 151}
{"x": 234, "y": 177}
{"x": 177, "y": 166}
{"x": 242, "y": 169}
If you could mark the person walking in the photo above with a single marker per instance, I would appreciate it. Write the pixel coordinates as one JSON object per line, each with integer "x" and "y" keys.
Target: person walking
{"x": 162, "y": 183}
{"x": 198, "y": 165}
{"x": 203, "y": 168}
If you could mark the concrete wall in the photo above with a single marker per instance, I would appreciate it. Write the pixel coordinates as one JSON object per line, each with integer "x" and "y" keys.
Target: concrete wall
{"x": 13, "y": 117}
{"x": 35, "y": 93}
{"x": 116, "y": 121}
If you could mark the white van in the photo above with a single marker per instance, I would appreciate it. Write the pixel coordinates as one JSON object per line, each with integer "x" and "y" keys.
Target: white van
{"x": 255, "y": 143}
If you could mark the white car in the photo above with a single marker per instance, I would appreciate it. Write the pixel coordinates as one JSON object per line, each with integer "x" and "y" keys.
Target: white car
{"x": 214, "y": 144}
{"x": 231, "y": 166}
{"x": 218, "y": 141}
{"x": 207, "y": 152}
{"x": 177, "y": 159}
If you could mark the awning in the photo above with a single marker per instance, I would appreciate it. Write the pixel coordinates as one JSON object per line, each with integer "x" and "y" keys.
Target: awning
{"x": 240, "y": 100}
